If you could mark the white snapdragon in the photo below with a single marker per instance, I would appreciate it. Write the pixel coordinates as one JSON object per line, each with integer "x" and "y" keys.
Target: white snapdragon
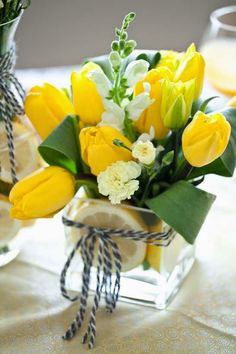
{"x": 139, "y": 103}
{"x": 136, "y": 71}
{"x": 113, "y": 116}
{"x": 102, "y": 82}
{"x": 118, "y": 181}
{"x": 144, "y": 152}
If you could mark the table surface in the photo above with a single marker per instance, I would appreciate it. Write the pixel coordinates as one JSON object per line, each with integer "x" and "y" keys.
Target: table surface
{"x": 201, "y": 319}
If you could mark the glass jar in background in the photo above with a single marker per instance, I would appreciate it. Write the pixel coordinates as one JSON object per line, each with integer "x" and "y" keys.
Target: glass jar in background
{"x": 27, "y": 161}
{"x": 218, "y": 47}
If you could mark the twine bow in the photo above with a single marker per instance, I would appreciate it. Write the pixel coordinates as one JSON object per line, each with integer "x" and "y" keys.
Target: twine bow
{"x": 108, "y": 258}
{"x": 11, "y": 101}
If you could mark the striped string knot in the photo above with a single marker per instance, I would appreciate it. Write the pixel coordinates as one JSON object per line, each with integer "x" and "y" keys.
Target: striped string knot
{"x": 11, "y": 102}
{"x": 108, "y": 261}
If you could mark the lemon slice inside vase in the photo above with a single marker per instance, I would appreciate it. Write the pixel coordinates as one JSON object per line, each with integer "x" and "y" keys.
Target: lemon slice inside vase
{"x": 99, "y": 213}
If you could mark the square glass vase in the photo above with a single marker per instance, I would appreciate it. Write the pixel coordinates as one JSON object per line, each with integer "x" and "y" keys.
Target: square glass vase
{"x": 151, "y": 275}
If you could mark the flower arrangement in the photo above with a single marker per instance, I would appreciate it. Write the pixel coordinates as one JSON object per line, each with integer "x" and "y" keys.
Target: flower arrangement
{"x": 132, "y": 129}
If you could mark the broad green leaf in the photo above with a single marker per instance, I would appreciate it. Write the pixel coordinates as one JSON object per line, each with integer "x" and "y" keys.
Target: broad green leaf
{"x": 61, "y": 147}
{"x": 183, "y": 207}
{"x": 224, "y": 165}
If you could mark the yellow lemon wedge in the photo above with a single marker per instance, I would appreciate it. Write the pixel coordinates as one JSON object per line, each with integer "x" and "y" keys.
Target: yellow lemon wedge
{"x": 220, "y": 57}
{"x": 154, "y": 253}
{"x": 26, "y": 155}
{"x": 103, "y": 214}
{"x": 9, "y": 226}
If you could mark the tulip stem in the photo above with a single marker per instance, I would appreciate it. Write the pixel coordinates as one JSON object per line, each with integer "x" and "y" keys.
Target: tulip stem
{"x": 176, "y": 150}
{"x": 182, "y": 172}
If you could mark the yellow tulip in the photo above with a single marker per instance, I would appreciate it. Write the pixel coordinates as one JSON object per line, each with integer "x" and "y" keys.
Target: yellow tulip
{"x": 191, "y": 66}
{"x": 87, "y": 101}
{"x": 169, "y": 59}
{"x": 176, "y": 103}
{"x": 46, "y": 107}
{"x": 151, "y": 117}
{"x": 98, "y": 150}
{"x": 42, "y": 194}
{"x": 205, "y": 138}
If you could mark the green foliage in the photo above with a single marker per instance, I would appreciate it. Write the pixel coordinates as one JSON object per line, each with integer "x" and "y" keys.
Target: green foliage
{"x": 151, "y": 57}
{"x": 183, "y": 207}
{"x": 202, "y": 105}
{"x": 61, "y": 148}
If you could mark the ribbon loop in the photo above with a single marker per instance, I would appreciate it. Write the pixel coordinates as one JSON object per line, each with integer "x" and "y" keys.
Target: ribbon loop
{"x": 108, "y": 260}
{"x": 11, "y": 102}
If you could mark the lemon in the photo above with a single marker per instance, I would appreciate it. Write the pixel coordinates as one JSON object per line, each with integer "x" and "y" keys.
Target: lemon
{"x": 9, "y": 227}
{"x": 221, "y": 69}
{"x": 27, "y": 157}
{"x": 154, "y": 253}
{"x": 101, "y": 213}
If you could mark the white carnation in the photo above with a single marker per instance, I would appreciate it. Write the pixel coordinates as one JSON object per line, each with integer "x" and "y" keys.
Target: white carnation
{"x": 144, "y": 152}
{"x": 118, "y": 181}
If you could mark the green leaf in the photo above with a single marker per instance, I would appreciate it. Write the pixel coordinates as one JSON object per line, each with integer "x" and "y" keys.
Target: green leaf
{"x": 224, "y": 165}
{"x": 151, "y": 57}
{"x": 61, "y": 146}
{"x": 202, "y": 105}
{"x": 183, "y": 207}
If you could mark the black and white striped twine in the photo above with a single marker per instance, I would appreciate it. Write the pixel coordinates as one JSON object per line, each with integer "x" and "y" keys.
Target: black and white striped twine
{"x": 108, "y": 258}
{"x": 11, "y": 102}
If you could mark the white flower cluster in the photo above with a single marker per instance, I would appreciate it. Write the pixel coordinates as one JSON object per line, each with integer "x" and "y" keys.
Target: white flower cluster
{"x": 114, "y": 114}
{"x": 118, "y": 181}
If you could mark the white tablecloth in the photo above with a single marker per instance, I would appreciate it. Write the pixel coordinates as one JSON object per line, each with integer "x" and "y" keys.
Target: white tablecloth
{"x": 200, "y": 320}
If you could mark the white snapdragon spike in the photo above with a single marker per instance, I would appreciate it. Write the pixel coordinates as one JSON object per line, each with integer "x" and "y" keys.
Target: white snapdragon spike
{"x": 113, "y": 116}
{"x": 138, "y": 104}
{"x": 144, "y": 152}
{"x": 102, "y": 82}
{"x": 118, "y": 181}
{"x": 147, "y": 136}
{"x": 136, "y": 71}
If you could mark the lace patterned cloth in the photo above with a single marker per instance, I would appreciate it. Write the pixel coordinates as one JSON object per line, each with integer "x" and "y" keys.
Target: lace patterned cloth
{"x": 200, "y": 320}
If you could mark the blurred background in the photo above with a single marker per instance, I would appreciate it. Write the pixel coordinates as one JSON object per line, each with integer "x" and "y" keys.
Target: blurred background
{"x": 57, "y": 32}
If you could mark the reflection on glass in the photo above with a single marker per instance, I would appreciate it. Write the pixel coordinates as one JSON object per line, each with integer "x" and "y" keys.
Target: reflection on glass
{"x": 219, "y": 50}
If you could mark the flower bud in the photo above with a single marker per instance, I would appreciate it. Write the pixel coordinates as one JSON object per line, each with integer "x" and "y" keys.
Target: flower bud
{"x": 176, "y": 103}
{"x": 42, "y": 194}
{"x": 191, "y": 66}
{"x": 205, "y": 138}
{"x": 115, "y": 59}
